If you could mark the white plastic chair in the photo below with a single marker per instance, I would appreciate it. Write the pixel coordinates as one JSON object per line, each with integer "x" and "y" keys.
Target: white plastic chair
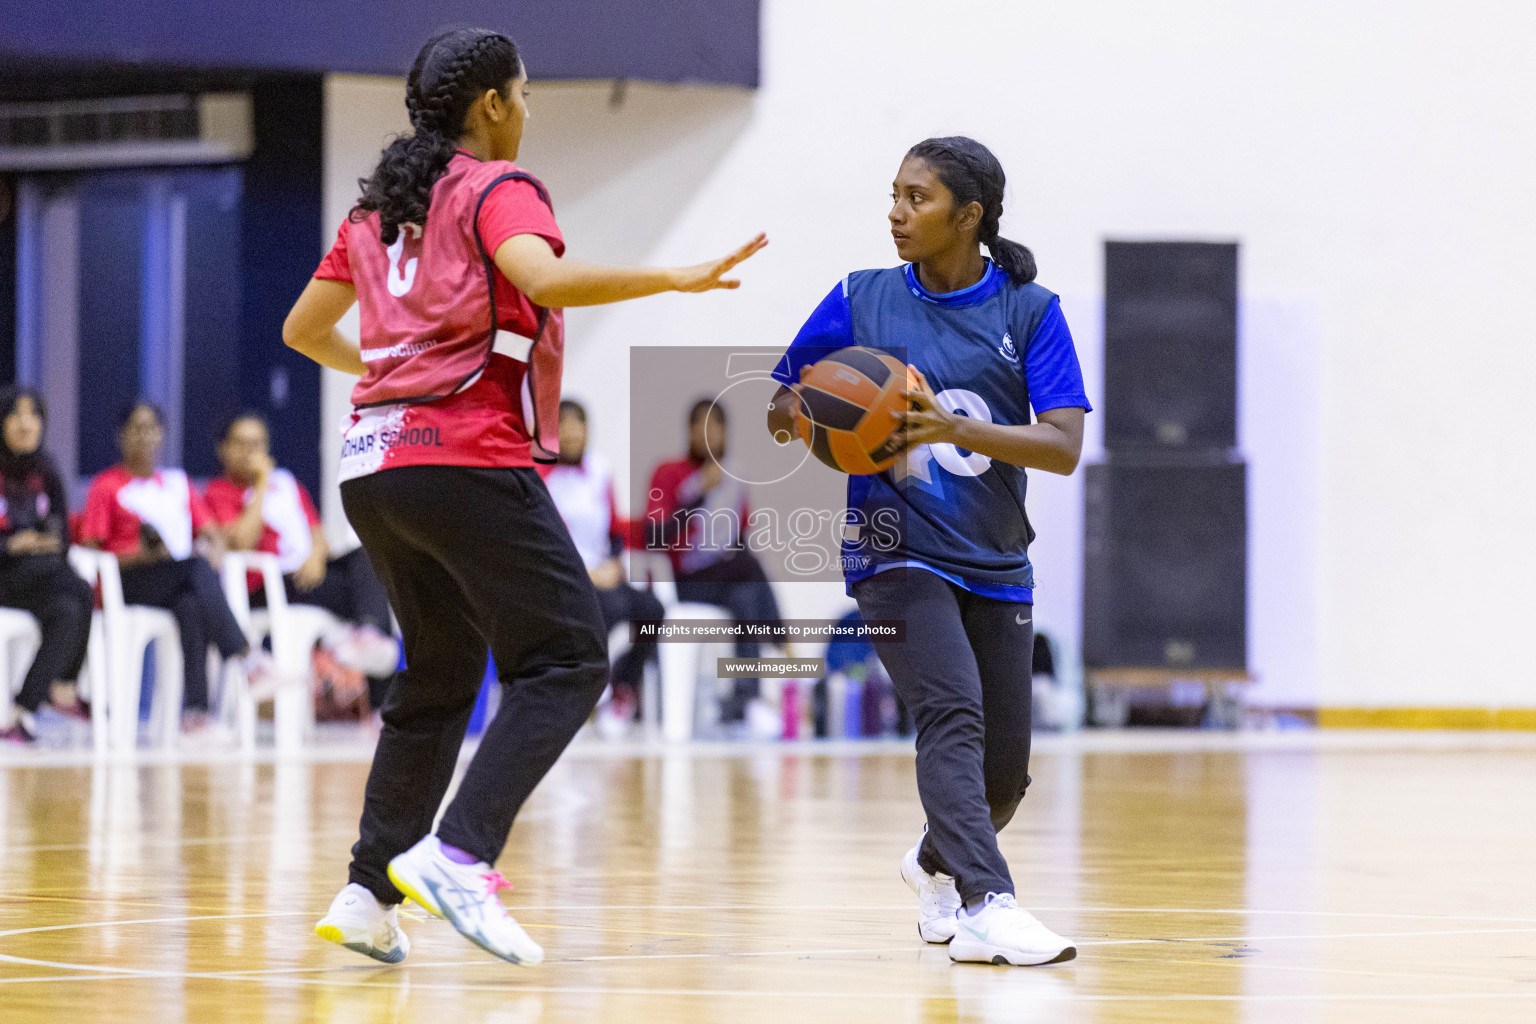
{"x": 130, "y": 629}
{"x": 21, "y": 639}
{"x": 294, "y": 630}
{"x": 680, "y": 663}
{"x": 238, "y": 697}
{"x": 95, "y": 677}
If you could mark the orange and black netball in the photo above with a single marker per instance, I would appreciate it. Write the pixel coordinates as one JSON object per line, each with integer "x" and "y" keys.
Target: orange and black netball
{"x": 851, "y": 404}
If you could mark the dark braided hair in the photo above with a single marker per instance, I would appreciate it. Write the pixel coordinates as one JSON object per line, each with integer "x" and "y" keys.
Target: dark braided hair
{"x": 973, "y": 175}
{"x": 452, "y": 70}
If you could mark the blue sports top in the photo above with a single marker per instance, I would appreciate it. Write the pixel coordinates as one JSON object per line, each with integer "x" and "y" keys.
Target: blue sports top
{"x": 992, "y": 350}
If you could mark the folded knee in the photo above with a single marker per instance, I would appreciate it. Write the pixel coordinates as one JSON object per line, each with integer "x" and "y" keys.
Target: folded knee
{"x": 1003, "y": 800}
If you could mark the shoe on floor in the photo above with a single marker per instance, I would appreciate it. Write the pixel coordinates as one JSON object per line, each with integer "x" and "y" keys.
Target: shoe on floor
{"x": 464, "y": 895}
{"x": 937, "y": 900}
{"x": 359, "y": 922}
{"x": 22, "y": 731}
{"x": 1002, "y": 932}
{"x": 368, "y": 651}
{"x": 611, "y": 722}
{"x": 201, "y": 731}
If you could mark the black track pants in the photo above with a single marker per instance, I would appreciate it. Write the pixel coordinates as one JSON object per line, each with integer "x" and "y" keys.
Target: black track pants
{"x": 625, "y": 603}
{"x": 964, "y": 673}
{"x": 46, "y": 586}
{"x": 472, "y": 559}
{"x": 191, "y": 591}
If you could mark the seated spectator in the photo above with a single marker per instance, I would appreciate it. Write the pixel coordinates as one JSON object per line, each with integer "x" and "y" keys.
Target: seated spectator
{"x": 581, "y": 485}
{"x": 696, "y": 513}
{"x": 263, "y": 508}
{"x": 150, "y": 518}
{"x": 35, "y": 575}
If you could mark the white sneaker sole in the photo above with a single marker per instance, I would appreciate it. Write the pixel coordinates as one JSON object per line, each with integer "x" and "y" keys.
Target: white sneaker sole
{"x": 937, "y": 932}
{"x": 419, "y": 889}
{"x": 359, "y": 941}
{"x": 969, "y": 952}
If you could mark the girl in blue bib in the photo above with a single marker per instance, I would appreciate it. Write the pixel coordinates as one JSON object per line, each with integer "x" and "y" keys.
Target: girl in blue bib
{"x": 987, "y": 345}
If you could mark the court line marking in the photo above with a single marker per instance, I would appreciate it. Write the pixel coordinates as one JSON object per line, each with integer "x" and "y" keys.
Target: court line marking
{"x": 231, "y": 839}
{"x": 279, "y": 973}
{"x": 1055, "y": 997}
{"x": 231, "y": 975}
{"x": 908, "y": 907}
{"x": 882, "y": 909}
{"x": 513, "y": 988}
{"x": 841, "y": 908}
{"x": 1321, "y": 935}
{"x": 149, "y": 920}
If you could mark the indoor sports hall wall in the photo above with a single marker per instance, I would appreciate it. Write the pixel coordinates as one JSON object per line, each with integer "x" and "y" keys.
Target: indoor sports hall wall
{"x": 1386, "y": 335}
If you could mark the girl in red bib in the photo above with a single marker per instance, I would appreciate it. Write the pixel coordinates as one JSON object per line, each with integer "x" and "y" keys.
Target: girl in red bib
{"x": 455, "y": 261}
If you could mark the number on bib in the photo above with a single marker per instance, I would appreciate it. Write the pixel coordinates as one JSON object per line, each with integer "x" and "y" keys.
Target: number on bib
{"x": 968, "y": 403}
{"x": 400, "y": 283}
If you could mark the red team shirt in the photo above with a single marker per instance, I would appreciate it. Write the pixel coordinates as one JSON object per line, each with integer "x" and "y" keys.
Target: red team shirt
{"x": 432, "y": 394}
{"x": 694, "y": 542}
{"x": 118, "y": 502}
{"x": 288, "y": 516}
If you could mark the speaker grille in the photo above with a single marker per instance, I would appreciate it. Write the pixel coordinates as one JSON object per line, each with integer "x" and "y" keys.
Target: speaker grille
{"x": 1165, "y": 559}
{"x": 1170, "y": 346}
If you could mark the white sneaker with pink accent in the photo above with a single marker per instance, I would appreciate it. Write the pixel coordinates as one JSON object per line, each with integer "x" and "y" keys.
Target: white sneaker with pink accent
{"x": 464, "y": 895}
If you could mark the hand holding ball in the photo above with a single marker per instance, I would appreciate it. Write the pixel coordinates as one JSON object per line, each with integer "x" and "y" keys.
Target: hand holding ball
{"x": 851, "y": 407}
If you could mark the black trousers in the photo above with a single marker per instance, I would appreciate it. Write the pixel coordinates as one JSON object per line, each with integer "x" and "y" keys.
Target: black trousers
{"x": 351, "y": 591}
{"x": 189, "y": 589}
{"x": 964, "y": 673}
{"x": 471, "y": 559}
{"x": 61, "y": 601}
{"x": 625, "y": 603}
{"x": 736, "y": 583}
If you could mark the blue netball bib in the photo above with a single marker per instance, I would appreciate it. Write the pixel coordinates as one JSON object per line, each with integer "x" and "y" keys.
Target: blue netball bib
{"x": 994, "y": 350}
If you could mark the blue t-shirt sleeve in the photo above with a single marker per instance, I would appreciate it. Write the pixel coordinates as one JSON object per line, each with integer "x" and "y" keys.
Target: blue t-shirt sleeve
{"x": 1051, "y": 372}
{"x": 829, "y": 328}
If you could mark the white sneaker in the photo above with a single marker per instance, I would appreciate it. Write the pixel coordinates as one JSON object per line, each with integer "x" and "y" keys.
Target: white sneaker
{"x": 1002, "y": 932}
{"x": 367, "y": 650}
{"x": 611, "y": 723}
{"x": 762, "y": 720}
{"x": 464, "y": 895}
{"x": 937, "y": 899}
{"x": 358, "y": 921}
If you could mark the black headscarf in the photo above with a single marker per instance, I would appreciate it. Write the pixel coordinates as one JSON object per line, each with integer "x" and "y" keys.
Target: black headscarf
{"x": 34, "y": 462}
{"x": 27, "y": 477}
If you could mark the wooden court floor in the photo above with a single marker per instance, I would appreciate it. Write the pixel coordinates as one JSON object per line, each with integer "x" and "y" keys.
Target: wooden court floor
{"x": 1371, "y": 883}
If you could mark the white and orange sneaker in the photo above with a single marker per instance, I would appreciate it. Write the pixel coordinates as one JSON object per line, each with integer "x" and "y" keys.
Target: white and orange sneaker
{"x": 359, "y": 922}
{"x": 464, "y": 895}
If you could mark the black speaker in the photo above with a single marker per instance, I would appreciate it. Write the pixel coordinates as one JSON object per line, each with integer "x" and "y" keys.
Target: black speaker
{"x": 1170, "y": 346}
{"x": 1166, "y": 567}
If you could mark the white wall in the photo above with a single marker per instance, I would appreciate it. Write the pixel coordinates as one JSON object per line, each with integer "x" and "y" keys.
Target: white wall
{"x": 1374, "y": 160}
{"x": 362, "y": 113}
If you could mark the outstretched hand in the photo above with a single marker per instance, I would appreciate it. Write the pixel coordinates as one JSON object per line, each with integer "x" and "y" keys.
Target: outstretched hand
{"x": 708, "y": 276}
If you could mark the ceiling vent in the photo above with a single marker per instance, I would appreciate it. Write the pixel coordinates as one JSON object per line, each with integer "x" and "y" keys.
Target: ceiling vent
{"x": 126, "y": 131}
